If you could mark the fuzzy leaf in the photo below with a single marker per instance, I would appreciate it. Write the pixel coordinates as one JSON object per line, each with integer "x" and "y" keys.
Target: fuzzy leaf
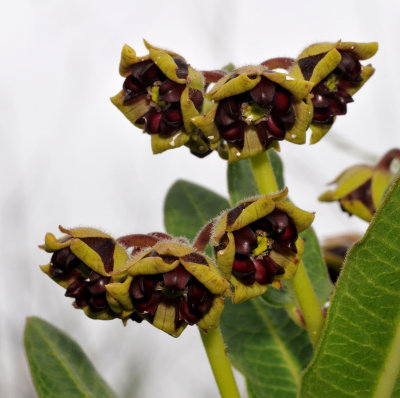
{"x": 188, "y": 207}
{"x": 59, "y": 367}
{"x": 359, "y": 353}
{"x": 266, "y": 346}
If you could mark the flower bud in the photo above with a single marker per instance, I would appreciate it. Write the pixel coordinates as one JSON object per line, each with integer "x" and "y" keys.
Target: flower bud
{"x": 254, "y": 109}
{"x": 171, "y": 286}
{"x": 256, "y": 243}
{"x": 82, "y": 263}
{"x": 360, "y": 189}
{"x": 160, "y": 95}
{"x": 337, "y": 74}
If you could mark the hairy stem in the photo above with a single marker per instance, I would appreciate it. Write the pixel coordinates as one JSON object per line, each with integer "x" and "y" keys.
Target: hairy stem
{"x": 312, "y": 313}
{"x": 220, "y": 365}
{"x": 303, "y": 289}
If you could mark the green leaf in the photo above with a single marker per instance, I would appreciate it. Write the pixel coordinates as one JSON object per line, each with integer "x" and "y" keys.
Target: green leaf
{"x": 59, "y": 367}
{"x": 315, "y": 266}
{"x": 266, "y": 346}
{"x": 188, "y": 207}
{"x": 359, "y": 352}
{"x": 241, "y": 182}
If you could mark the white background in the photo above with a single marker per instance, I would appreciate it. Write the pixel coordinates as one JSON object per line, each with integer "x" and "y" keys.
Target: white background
{"x": 67, "y": 156}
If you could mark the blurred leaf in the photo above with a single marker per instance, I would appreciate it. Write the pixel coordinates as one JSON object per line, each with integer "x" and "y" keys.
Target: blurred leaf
{"x": 266, "y": 346}
{"x": 315, "y": 266}
{"x": 188, "y": 207}
{"x": 359, "y": 352}
{"x": 59, "y": 367}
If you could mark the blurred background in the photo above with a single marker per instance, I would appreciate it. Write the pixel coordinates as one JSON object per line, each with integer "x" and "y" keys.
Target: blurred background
{"x": 68, "y": 156}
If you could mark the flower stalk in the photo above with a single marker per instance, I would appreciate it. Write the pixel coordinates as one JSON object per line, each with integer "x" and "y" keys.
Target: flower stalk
{"x": 219, "y": 361}
{"x": 303, "y": 289}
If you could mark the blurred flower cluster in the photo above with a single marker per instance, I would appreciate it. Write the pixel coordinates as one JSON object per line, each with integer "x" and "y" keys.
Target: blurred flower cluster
{"x": 242, "y": 113}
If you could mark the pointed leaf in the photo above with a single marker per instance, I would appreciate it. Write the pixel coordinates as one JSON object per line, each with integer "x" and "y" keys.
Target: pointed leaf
{"x": 189, "y": 207}
{"x": 59, "y": 367}
{"x": 359, "y": 353}
{"x": 266, "y": 346}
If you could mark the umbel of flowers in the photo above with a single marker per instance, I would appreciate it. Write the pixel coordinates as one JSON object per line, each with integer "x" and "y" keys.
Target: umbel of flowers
{"x": 361, "y": 188}
{"x": 337, "y": 74}
{"x": 253, "y": 109}
{"x": 257, "y": 243}
{"x": 161, "y": 94}
{"x": 171, "y": 285}
{"x": 82, "y": 262}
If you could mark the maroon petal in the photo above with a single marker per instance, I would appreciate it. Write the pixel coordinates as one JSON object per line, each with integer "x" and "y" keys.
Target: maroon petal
{"x": 177, "y": 278}
{"x": 148, "y": 306}
{"x": 80, "y": 292}
{"x": 263, "y": 93}
{"x": 337, "y": 107}
{"x": 147, "y": 72}
{"x": 97, "y": 283}
{"x": 196, "y": 96}
{"x": 233, "y": 133}
{"x": 323, "y": 115}
{"x": 206, "y": 304}
{"x": 98, "y": 303}
{"x": 185, "y": 314}
{"x": 245, "y": 240}
{"x": 262, "y": 275}
{"x": 243, "y": 265}
{"x": 182, "y": 70}
{"x": 274, "y": 127}
{"x": 135, "y": 290}
{"x": 173, "y": 116}
{"x": 170, "y": 91}
{"x": 149, "y": 283}
{"x": 153, "y": 122}
{"x": 320, "y": 100}
{"x": 281, "y": 100}
{"x": 196, "y": 293}
{"x": 349, "y": 67}
{"x": 228, "y": 112}
{"x": 288, "y": 118}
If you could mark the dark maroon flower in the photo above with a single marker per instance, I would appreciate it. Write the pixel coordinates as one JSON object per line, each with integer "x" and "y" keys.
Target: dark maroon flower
{"x": 267, "y": 107}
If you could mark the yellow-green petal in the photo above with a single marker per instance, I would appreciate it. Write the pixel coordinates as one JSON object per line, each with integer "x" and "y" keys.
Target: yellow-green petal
{"x": 303, "y": 116}
{"x": 120, "y": 292}
{"x": 211, "y": 319}
{"x": 357, "y": 208}
{"x": 160, "y": 144}
{"x": 380, "y": 181}
{"x": 164, "y": 319}
{"x": 133, "y": 111}
{"x": 88, "y": 256}
{"x": 351, "y": 179}
{"x": 301, "y": 218}
{"x": 244, "y": 292}
{"x": 151, "y": 266}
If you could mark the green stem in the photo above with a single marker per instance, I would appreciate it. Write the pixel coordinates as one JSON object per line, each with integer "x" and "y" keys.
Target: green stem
{"x": 303, "y": 289}
{"x": 312, "y": 313}
{"x": 220, "y": 365}
{"x": 264, "y": 173}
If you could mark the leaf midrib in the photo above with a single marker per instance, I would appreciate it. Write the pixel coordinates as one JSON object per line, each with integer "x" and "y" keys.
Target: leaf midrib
{"x": 292, "y": 365}
{"x": 390, "y": 369}
{"x": 62, "y": 361}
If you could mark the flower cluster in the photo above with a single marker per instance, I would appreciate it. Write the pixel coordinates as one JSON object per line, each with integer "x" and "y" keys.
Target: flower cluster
{"x": 257, "y": 243}
{"x": 360, "y": 189}
{"x": 337, "y": 74}
{"x": 248, "y": 110}
{"x": 161, "y": 93}
{"x": 82, "y": 262}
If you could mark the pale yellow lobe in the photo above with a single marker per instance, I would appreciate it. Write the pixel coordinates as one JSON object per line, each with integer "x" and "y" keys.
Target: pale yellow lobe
{"x": 151, "y": 266}
{"x": 357, "y": 208}
{"x": 134, "y": 111}
{"x": 88, "y": 256}
{"x": 120, "y": 292}
{"x": 51, "y": 243}
{"x": 211, "y": 319}
{"x": 380, "y": 182}
{"x": 243, "y": 292}
{"x": 301, "y": 218}
{"x": 237, "y": 85}
{"x": 164, "y": 319}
